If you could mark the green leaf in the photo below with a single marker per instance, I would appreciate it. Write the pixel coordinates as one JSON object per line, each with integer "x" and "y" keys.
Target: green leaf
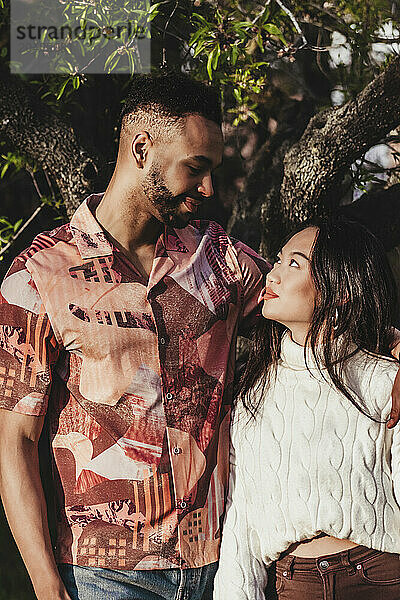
{"x": 238, "y": 95}
{"x": 154, "y": 7}
{"x": 114, "y": 62}
{"x": 4, "y": 169}
{"x": 196, "y": 36}
{"x": 241, "y": 24}
{"x": 210, "y": 63}
{"x": 62, "y": 88}
{"x": 131, "y": 62}
{"x": 217, "y": 54}
{"x": 109, "y": 59}
{"x": 235, "y": 54}
{"x": 200, "y": 47}
{"x": 254, "y": 116}
{"x": 272, "y": 29}
{"x": 265, "y": 14}
{"x": 201, "y": 19}
{"x": 17, "y": 225}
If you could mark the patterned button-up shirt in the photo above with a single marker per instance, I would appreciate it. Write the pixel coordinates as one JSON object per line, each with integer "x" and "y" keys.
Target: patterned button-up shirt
{"x": 136, "y": 379}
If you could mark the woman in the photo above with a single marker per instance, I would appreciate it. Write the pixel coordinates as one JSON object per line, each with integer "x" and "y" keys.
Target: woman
{"x": 315, "y": 473}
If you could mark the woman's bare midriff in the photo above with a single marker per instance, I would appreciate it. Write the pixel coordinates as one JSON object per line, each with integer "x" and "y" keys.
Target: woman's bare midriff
{"x": 319, "y": 546}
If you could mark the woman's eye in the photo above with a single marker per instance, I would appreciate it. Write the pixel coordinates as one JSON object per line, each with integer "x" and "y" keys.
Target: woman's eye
{"x": 294, "y": 263}
{"x": 277, "y": 261}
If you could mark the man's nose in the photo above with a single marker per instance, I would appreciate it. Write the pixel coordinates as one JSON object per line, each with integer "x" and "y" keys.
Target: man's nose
{"x": 206, "y": 186}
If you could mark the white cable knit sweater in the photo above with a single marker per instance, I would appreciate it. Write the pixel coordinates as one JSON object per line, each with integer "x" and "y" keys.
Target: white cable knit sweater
{"x": 311, "y": 462}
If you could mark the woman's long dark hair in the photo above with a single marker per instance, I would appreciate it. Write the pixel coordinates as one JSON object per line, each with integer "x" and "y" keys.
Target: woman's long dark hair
{"x": 355, "y": 309}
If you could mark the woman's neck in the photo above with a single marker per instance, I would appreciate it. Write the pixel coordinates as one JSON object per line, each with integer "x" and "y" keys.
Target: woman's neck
{"x": 299, "y": 332}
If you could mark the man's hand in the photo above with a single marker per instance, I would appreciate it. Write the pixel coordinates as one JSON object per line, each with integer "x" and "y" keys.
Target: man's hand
{"x": 395, "y": 412}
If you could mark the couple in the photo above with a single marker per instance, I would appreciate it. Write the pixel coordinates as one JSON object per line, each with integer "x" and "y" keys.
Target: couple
{"x": 120, "y": 327}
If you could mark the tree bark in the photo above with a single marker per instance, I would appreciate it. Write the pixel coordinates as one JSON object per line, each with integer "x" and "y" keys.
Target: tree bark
{"x": 315, "y": 167}
{"x": 39, "y": 134}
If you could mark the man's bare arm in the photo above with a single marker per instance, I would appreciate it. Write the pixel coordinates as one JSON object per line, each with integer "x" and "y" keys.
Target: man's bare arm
{"x": 24, "y": 503}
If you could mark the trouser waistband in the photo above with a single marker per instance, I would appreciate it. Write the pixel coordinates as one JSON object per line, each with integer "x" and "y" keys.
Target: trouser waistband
{"x": 347, "y": 559}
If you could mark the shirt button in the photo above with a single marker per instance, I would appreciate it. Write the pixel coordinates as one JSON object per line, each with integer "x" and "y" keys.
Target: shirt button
{"x": 169, "y": 396}
{"x": 284, "y": 573}
{"x": 183, "y": 504}
{"x": 324, "y": 564}
{"x": 177, "y": 450}
{"x": 162, "y": 341}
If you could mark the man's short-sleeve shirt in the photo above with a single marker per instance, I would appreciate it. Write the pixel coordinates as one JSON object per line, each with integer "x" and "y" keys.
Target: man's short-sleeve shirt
{"x": 136, "y": 378}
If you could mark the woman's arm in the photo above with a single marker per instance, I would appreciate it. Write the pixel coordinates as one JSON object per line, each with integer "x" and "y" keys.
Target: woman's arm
{"x": 242, "y": 572}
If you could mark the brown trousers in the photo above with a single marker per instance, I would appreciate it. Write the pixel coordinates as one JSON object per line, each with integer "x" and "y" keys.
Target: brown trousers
{"x": 356, "y": 574}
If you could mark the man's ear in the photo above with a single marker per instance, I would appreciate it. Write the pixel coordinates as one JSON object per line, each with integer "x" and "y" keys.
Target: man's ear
{"x": 141, "y": 145}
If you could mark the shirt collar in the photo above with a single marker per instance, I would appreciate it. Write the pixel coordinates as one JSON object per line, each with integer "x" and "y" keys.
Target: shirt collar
{"x": 88, "y": 235}
{"x": 92, "y": 242}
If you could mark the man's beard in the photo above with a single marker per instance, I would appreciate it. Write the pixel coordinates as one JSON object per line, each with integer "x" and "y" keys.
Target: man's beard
{"x": 163, "y": 199}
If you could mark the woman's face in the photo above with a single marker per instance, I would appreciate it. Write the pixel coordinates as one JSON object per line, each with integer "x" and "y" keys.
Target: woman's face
{"x": 289, "y": 293}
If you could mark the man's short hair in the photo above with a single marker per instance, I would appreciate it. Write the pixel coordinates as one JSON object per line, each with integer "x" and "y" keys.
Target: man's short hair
{"x": 161, "y": 102}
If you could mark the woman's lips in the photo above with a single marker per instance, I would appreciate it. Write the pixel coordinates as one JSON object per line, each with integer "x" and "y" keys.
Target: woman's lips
{"x": 266, "y": 294}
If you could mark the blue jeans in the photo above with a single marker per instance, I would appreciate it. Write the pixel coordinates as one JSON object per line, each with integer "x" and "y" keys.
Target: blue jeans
{"x": 93, "y": 583}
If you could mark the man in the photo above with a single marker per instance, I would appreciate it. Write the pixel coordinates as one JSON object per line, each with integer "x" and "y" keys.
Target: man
{"x": 123, "y": 323}
{"x": 122, "y": 326}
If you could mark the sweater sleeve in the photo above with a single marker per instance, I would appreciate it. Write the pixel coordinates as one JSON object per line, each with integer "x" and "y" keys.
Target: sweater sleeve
{"x": 242, "y": 573}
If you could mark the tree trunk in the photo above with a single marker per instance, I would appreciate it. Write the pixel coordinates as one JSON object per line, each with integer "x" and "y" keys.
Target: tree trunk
{"x": 39, "y": 134}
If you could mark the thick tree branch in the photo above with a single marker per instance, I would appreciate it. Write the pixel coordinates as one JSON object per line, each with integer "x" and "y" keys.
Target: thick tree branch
{"x": 36, "y": 132}
{"x": 315, "y": 166}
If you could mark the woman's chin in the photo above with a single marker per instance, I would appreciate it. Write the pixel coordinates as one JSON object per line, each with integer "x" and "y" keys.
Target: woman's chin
{"x": 269, "y": 314}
